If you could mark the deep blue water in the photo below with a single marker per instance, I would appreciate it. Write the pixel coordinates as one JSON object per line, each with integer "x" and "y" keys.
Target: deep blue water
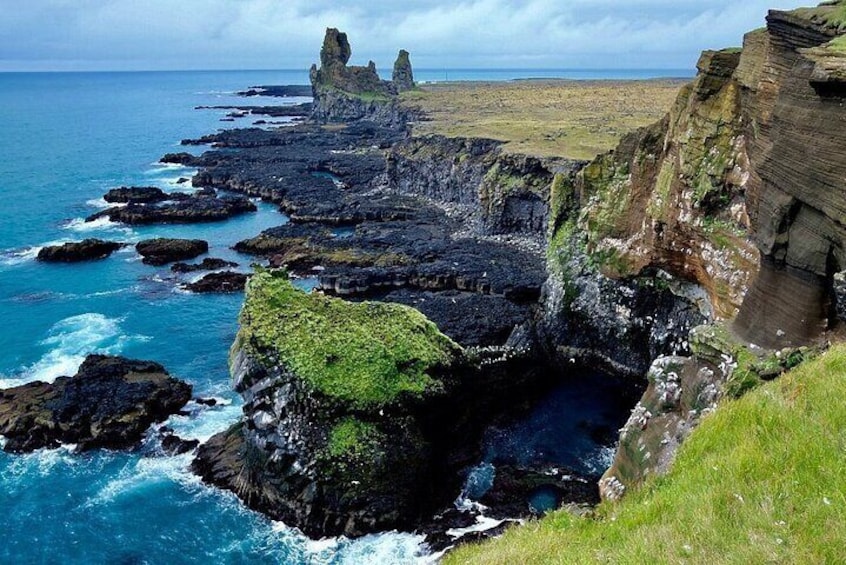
{"x": 67, "y": 138}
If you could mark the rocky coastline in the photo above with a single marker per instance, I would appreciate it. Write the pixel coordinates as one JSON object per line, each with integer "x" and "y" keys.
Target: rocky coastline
{"x": 455, "y": 281}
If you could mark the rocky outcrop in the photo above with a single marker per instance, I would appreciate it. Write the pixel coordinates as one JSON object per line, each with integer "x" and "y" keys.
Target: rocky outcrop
{"x": 207, "y": 264}
{"x": 161, "y": 251}
{"x": 403, "y": 75}
{"x": 178, "y": 209}
{"x": 109, "y": 403}
{"x": 333, "y": 439}
{"x": 85, "y": 250}
{"x": 672, "y": 196}
{"x": 135, "y": 195}
{"x": 223, "y": 282}
{"x": 349, "y": 93}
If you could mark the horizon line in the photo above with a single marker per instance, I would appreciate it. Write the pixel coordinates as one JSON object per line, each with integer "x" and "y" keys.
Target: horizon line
{"x": 421, "y": 69}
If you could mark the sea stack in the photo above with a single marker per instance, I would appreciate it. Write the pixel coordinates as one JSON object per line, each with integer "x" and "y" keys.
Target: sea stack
{"x": 403, "y": 77}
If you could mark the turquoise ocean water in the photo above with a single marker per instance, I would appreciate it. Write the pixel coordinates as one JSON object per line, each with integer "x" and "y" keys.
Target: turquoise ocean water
{"x": 66, "y": 139}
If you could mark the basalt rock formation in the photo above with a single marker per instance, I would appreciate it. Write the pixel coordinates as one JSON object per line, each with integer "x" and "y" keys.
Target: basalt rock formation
{"x": 161, "y": 251}
{"x": 403, "y": 75}
{"x": 348, "y": 93}
{"x": 177, "y": 209}
{"x": 109, "y": 403}
{"x": 85, "y": 250}
{"x": 347, "y": 411}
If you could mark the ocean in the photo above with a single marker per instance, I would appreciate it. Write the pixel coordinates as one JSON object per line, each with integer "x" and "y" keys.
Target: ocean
{"x": 67, "y": 138}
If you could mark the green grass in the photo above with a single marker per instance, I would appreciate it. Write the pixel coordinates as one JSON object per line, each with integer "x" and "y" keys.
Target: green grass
{"x": 576, "y": 119}
{"x": 762, "y": 480}
{"x": 365, "y": 355}
{"x": 352, "y": 437}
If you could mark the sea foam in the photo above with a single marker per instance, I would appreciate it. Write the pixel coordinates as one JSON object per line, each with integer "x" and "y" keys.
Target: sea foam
{"x": 69, "y": 341}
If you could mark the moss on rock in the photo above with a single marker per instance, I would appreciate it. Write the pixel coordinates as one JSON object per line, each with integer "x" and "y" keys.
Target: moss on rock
{"x": 365, "y": 355}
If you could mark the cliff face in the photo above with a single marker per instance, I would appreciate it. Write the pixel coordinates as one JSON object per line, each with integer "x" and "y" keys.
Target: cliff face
{"x": 751, "y": 163}
{"x": 745, "y": 174}
{"x": 345, "y": 93}
{"x": 797, "y": 193}
{"x": 505, "y": 193}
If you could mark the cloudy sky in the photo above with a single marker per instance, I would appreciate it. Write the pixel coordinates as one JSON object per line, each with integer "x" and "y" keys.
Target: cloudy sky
{"x": 286, "y": 34}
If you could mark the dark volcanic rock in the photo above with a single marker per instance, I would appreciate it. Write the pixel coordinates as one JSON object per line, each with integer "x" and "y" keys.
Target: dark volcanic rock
{"x": 185, "y": 209}
{"x": 162, "y": 250}
{"x": 109, "y": 403}
{"x": 403, "y": 76}
{"x": 207, "y": 264}
{"x": 182, "y": 158}
{"x": 522, "y": 493}
{"x": 174, "y": 445}
{"x": 85, "y": 250}
{"x": 135, "y": 195}
{"x": 227, "y": 281}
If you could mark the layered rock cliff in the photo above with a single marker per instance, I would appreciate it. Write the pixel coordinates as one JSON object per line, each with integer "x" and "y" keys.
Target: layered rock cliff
{"x": 741, "y": 191}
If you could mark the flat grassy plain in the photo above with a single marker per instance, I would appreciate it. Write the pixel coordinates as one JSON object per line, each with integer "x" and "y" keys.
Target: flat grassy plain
{"x": 546, "y": 118}
{"x": 762, "y": 480}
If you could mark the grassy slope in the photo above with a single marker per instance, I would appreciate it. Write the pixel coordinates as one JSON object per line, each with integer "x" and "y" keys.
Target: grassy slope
{"x": 365, "y": 355}
{"x": 576, "y": 119}
{"x": 763, "y": 480}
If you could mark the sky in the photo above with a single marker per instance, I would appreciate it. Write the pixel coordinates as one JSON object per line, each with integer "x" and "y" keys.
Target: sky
{"x": 67, "y": 35}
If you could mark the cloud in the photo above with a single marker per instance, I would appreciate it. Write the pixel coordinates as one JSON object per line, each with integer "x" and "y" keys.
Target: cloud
{"x": 274, "y": 34}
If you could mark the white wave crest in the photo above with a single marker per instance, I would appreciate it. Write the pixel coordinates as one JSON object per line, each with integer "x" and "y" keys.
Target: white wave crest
{"x": 140, "y": 473}
{"x": 100, "y": 224}
{"x": 11, "y": 257}
{"x": 70, "y": 340}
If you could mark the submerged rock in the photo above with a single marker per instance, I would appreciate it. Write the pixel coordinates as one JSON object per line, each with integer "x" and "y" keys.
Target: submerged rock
{"x": 161, "y": 251}
{"x": 109, "y": 403}
{"x": 85, "y": 250}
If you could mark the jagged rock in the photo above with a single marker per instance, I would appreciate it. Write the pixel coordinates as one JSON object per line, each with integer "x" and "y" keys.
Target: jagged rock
{"x": 343, "y": 93}
{"x": 403, "y": 76}
{"x": 109, "y": 403}
{"x": 85, "y": 250}
{"x": 135, "y": 195}
{"x": 207, "y": 264}
{"x": 161, "y": 251}
{"x": 174, "y": 445}
{"x": 203, "y": 207}
{"x": 227, "y": 281}
{"x": 182, "y": 158}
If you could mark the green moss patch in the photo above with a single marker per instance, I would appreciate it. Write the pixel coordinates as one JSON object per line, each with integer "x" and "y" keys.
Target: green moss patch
{"x": 366, "y": 355}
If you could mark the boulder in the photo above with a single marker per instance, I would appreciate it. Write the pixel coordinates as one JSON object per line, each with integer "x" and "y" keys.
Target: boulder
{"x": 85, "y": 250}
{"x": 109, "y": 403}
{"x": 163, "y": 250}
